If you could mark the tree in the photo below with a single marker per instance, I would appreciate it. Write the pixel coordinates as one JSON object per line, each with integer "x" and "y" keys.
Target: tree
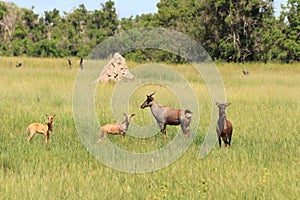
{"x": 8, "y": 17}
{"x": 232, "y": 28}
{"x": 291, "y": 43}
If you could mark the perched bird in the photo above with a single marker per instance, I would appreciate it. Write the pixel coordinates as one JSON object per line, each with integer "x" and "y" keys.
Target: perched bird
{"x": 81, "y": 63}
{"x": 19, "y": 65}
{"x": 70, "y": 63}
{"x": 246, "y": 72}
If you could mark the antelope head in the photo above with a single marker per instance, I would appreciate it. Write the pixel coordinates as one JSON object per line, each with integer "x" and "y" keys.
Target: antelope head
{"x": 149, "y": 101}
{"x": 222, "y": 107}
{"x": 50, "y": 117}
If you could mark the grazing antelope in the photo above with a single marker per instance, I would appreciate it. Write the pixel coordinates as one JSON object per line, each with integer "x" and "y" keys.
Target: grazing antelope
{"x": 224, "y": 126}
{"x": 19, "y": 65}
{"x": 246, "y": 72}
{"x": 70, "y": 63}
{"x": 81, "y": 63}
{"x": 168, "y": 116}
{"x": 116, "y": 128}
{"x": 41, "y": 128}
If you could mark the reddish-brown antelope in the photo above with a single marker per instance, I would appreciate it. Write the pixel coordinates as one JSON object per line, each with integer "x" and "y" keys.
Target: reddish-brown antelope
{"x": 41, "y": 128}
{"x": 224, "y": 126}
{"x": 116, "y": 128}
{"x": 165, "y": 115}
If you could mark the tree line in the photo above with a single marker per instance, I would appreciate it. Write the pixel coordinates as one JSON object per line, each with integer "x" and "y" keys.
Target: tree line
{"x": 229, "y": 30}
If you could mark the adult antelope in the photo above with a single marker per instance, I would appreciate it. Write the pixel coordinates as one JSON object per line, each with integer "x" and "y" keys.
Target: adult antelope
{"x": 70, "y": 63}
{"x": 165, "y": 115}
{"x": 246, "y": 72}
{"x": 41, "y": 128}
{"x": 81, "y": 63}
{"x": 224, "y": 126}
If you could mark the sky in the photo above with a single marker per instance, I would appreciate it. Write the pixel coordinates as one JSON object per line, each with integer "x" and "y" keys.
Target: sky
{"x": 125, "y": 8}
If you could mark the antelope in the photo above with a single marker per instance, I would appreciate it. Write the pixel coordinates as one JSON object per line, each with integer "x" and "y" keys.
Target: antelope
{"x": 41, "y": 128}
{"x": 224, "y": 127}
{"x": 19, "y": 65}
{"x": 70, "y": 63}
{"x": 116, "y": 128}
{"x": 245, "y": 72}
{"x": 81, "y": 63}
{"x": 165, "y": 115}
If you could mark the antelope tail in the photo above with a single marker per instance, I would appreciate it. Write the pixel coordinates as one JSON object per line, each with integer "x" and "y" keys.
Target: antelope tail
{"x": 188, "y": 114}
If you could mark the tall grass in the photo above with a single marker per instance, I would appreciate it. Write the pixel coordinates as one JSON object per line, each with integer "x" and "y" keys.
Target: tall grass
{"x": 262, "y": 163}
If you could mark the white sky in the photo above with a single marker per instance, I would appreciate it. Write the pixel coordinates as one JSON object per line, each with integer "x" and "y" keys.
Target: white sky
{"x": 125, "y": 8}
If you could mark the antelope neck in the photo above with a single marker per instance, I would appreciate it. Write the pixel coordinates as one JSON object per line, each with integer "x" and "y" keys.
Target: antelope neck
{"x": 49, "y": 124}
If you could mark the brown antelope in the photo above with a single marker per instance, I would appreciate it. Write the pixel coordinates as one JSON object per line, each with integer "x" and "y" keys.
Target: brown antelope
{"x": 246, "y": 72}
{"x": 19, "y": 65}
{"x": 81, "y": 63}
{"x": 116, "y": 128}
{"x": 41, "y": 128}
{"x": 224, "y": 126}
{"x": 168, "y": 116}
{"x": 70, "y": 63}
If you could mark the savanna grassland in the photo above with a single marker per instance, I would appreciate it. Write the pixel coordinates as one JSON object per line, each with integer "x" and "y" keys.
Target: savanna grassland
{"x": 262, "y": 163}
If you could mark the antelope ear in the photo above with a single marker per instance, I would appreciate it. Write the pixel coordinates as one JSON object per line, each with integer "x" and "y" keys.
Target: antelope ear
{"x": 46, "y": 115}
{"x": 228, "y": 104}
{"x": 217, "y": 103}
{"x": 54, "y": 115}
{"x": 124, "y": 114}
{"x": 132, "y": 115}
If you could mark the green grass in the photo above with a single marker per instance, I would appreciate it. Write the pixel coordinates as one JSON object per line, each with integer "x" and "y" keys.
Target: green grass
{"x": 262, "y": 163}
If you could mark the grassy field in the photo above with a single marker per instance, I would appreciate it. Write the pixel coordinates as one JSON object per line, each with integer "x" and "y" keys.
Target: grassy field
{"x": 262, "y": 163}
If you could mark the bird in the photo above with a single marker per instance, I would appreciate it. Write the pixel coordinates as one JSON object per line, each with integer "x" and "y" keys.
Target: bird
{"x": 81, "y": 63}
{"x": 246, "y": 72}
{"x": 70, "y": 63}
{"x": 19, "y": 65}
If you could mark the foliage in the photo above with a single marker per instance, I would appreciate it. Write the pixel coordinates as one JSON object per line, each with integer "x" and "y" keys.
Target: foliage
{"x": 54, "y": 35}
{"x": 291, "y": 44}
{"x": 233, "y": 31}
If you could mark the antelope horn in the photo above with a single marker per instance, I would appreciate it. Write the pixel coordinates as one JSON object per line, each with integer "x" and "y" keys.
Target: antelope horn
{"x": 150, "y": 95}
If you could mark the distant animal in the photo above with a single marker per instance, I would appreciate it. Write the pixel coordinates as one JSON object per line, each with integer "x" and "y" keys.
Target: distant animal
{"x": 70, "y": 63}
{"x": 246, "y": 72}
{"x": 165, "y": 115}
{"x": 224, "y": 126}
{"x": 19, "y": 65}
{"x": 116, "y": 128}
{"x": 41, "y": 128}
{"x": 81, "y": 63}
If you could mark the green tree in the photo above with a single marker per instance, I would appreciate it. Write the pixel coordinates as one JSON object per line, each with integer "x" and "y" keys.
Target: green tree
{"x": 3, "y": 10}
{"x": 291, "y": 43}
{"x": 233, "y": 28}
{"x": 229, "y": 30}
